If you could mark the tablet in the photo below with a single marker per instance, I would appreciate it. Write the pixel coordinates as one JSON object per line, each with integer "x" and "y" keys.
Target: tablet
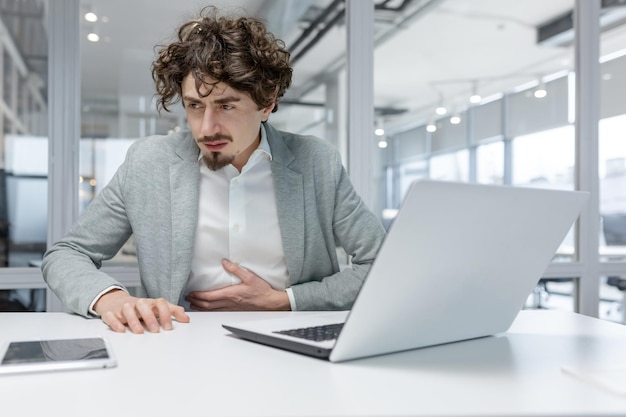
{"x": 55, "y": 355}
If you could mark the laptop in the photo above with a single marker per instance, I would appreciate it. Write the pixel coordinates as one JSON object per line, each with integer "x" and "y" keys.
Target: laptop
{"x": 458, "y": 262}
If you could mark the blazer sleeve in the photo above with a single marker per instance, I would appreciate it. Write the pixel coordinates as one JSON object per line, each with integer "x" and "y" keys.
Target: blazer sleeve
{"x": 71, "y": 266}
{"x": 354, "y": 228}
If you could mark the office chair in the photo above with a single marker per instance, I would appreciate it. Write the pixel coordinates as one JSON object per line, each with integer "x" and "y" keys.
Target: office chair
{"x": 542, "y": 292}
{"x": 614, "y": 229}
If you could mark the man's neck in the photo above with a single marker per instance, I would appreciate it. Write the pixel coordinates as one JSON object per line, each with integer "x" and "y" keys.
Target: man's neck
{"x": 242, "y": 159}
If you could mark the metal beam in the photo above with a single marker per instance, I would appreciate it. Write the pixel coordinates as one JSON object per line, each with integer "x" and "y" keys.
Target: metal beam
{"x": 360, "y": 24}
{"x": 587, "y": 66}
{"x": 63, "y": 121}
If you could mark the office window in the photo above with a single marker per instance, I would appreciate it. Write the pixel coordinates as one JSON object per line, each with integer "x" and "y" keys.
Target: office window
{"x": 410, "y": 172}
{"x": 23, "y": 148}
{"x": 471, "y": 88}
{"x": 612, "y": 172}
{"x": 612, "y": 165}
{"x": 452, "y": 166}
{"x": 613, "y": 83}
{"x": 490, "y": 163}
{"x": 545, "y": 159}
{"x": 612, "y": 175}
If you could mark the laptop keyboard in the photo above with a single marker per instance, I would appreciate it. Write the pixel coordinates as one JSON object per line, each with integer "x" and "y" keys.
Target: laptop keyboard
{"x": 316, "y": 334}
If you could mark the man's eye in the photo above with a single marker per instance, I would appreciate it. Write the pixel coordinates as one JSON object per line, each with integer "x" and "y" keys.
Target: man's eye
{"x": 227, "y": 107}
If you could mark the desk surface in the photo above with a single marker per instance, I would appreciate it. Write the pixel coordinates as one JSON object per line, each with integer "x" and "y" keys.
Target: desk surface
{"x": 199, "y": 370}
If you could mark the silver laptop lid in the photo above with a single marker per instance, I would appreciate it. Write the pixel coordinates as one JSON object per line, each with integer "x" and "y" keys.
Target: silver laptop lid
{"x": 459, "y": 262}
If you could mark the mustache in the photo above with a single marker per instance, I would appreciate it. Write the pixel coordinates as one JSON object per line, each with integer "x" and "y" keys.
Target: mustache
{"x": 217, "y": 137}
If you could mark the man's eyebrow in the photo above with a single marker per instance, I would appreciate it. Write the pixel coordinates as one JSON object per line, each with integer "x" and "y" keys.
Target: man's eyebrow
{"x": 191, "y": 99}
{"x": 223, "y": 100}
{"x": 227, "y": 99}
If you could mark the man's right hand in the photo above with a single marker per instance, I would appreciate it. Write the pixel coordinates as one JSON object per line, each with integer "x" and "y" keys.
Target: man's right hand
{"x": 118, "y": 309}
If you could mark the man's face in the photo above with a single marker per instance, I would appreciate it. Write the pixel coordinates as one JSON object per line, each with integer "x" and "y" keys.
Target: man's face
{"x": 226, "y": 124}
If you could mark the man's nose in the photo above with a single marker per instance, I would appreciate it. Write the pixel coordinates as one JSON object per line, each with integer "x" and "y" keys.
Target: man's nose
{"x": 210, "y": 124}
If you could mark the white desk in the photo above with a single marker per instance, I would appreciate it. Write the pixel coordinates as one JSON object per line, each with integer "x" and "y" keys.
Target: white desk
{"x": 198, "y": 370}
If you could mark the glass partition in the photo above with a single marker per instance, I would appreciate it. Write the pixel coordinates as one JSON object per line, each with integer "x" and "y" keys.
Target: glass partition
{"x": 612, "y": 169}
{"x": 23, "y": 146}
{"x": 490, "y": 163}
{"x": 492, "y": 99}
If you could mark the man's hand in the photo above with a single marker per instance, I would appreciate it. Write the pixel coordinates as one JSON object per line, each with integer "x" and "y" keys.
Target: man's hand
{"x": 118, "y": 309}
{"x": 253, "y": 293}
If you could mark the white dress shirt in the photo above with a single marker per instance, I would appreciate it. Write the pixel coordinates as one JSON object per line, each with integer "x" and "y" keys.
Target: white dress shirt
{"x": 238, "y": 220}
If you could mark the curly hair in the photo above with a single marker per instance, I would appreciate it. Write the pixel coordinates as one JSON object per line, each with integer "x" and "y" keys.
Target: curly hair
{"x": 239, "y": 52}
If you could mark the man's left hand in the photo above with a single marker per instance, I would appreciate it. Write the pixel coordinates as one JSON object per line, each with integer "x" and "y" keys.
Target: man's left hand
{"x": 253, "y": 293}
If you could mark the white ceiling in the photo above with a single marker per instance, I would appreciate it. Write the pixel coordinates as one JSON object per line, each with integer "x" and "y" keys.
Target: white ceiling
{"x": 440, "y": 53}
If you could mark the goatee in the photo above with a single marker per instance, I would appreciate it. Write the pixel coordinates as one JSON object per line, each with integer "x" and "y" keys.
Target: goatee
{"x": 214, "y": 162}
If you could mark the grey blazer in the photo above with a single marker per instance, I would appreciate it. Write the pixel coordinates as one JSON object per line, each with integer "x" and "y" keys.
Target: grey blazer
{"x": 154, "y": 195}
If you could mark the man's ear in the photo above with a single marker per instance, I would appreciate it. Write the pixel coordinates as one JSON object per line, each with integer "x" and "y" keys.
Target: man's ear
{"x": 267, "y": 111}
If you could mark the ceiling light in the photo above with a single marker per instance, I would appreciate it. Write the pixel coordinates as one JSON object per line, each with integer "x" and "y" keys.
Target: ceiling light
{"x": 379, "y": 126}
{"x": 91, "y": 17}
{"x": 93, "y": 37}
{"x": 382, "y": 144}
{"x": 475, "y": 97}
{"x": 441, "y": 110}
{"x": 540, "y": 92}
{"x": 431, "y": 127}
{"x": 455, "y": 120}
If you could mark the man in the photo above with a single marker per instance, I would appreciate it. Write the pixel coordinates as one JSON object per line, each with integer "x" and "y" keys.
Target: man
{"x": 230, "y": 215}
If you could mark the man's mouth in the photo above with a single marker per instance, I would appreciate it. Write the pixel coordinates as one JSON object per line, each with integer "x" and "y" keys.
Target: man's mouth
{"x": 216, "y": 145}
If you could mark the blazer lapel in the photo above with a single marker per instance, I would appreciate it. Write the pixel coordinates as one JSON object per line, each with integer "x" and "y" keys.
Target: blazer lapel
{"x": 289, "y": 203}
{"x": 184, "y": 183}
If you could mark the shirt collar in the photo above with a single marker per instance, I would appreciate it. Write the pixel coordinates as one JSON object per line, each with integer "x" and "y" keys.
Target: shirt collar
{"x": 264, "y": 146}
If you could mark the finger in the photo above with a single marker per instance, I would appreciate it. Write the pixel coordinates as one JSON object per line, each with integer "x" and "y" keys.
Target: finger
{"x": 128, "y": 312}
{"x": 199, "y": 305}
{"x": 162, "y": 308}
{"x": 203, "y": 305}
{"x": 235, "y": 269}
{"x": 196, "y": 307}
{"x": 178, "y": 313}
{"x": 221, "y": 306}
{"x": 145, "y": 311}
{"x": 199, "y": 297}
{"x": 113, "y": 322}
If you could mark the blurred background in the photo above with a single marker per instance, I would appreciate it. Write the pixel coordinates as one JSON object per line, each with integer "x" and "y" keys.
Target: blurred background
{"x": 463, "y": 90}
